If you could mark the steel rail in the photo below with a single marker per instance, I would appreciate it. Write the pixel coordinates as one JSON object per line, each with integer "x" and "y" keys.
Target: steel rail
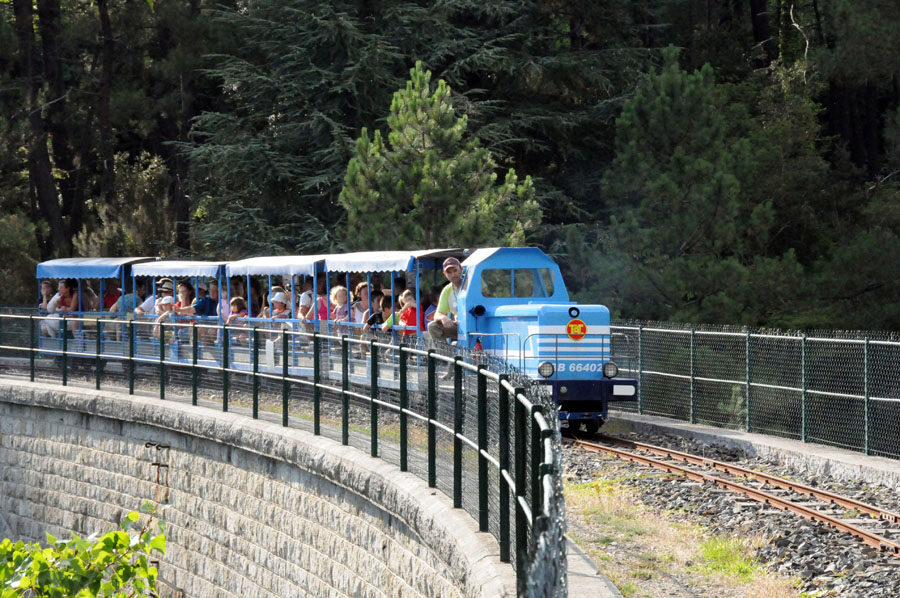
{"x": 870, "y": 538}
{"x": 823, "y": 495}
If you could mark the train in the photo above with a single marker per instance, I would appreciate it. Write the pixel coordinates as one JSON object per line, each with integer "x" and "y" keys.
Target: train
{"x": 512, "y": 307}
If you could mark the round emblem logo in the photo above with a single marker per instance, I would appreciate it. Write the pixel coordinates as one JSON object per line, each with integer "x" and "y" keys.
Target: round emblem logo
{"x": 576, "y": 329}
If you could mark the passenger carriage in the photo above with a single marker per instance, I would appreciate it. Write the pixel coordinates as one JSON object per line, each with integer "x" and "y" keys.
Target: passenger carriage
{"x": 79, "y": 333}
{"x": 176, "y": 334}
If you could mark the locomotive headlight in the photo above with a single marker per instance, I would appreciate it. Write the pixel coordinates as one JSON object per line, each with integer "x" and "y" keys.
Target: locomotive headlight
{"x": 563, "y": 390}
{"x": 610, "y": 370}
{"x": 546, "y": 369}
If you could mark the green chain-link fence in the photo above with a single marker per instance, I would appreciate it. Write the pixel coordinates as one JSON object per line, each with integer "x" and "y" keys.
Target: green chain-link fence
{"x": 836, "y": 388}
{"x": 471, "y": 427}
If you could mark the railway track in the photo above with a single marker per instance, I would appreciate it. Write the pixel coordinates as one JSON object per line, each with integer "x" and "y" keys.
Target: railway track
{"x": 874, "y": 526}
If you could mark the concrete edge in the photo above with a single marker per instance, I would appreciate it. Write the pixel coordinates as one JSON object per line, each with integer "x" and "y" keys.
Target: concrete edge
{"x": 474, "y": 555}
{"x": 817, "y": 459}
{"x": 585, "y": 578}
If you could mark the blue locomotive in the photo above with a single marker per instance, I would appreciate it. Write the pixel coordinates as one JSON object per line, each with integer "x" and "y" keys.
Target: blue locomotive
{"x": 514, "y": 304}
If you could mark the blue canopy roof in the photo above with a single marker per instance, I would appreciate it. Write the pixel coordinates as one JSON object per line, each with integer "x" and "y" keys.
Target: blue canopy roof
{"x": 293, "y": 265}
{"x": 384, "y": 261}
{"x": 87, "y": 267}
{"x": 177, "y": 268}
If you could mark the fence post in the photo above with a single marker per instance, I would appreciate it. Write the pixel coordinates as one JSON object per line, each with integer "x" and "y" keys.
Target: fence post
{"x": 431, "y": 412}
{"x": 457, "y": 430}
{"x": 693, "y": 417}
{"x": 285, "y": 384}
{"x": 162, "y": 361}
{"x": 640, "y": 369}
{"x": 503, "y": 450}
{"x": 868, "y": 435}
{"x": 97, "y": 369}
{"x": 131, "y": 366}
{"x": 803, "y": 425}
{"x": 317, "y": 392}
{"x": 482, "y": 449}
{"x": 521, "y": 482}
{"x": 747, "y": 403}
{"x": 373, "y": 394}
{"x": 195, "y": 353}
{"x": 65, "y": 348}
{"x": 345, "y": 386}
{"x": 535, "y": 463}
{"x": 404, "y": 405}
{"x": 226, "y": 378}
{"x": 31, "y": 345}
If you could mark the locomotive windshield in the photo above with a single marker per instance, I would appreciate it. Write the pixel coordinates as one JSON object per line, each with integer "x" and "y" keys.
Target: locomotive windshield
{"x": 521, "y": 283}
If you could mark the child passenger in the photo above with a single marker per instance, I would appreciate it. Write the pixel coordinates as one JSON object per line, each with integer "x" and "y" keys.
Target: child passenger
{"x": 341, "y": 311}
{"x": 408, "y": 316}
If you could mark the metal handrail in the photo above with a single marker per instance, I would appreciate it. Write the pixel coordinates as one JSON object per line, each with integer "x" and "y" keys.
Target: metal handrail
{"x": 531, "y": 512}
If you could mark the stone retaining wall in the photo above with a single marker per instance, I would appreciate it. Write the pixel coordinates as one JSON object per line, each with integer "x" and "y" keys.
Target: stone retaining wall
{"x": 252, "y": 508}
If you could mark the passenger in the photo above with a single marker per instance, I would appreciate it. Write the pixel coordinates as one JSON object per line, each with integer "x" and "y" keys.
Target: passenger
{"x": 306, "y": 298}
{"x": 238, "y": 310}
{"x": 382, "y": 310}
{"x": 280, "y": 308}
{"x": 340, "y": 312}
{"x": 185, "y": 304}
{"x": 167, "y": 307}
{"x": 129, "y": 302}
{"x": 111, "y": 293}
{"x": 264, "y": 312}
{"x": 360, "y": 309}
{"x": 49, "y": 304}
{"x": 48, "y": 293}
{"x": 213, "y": 295}
{"x": 205, "y": 303}
{"x": 151, "y": 305}
{"x": 90, "y": 302}
{"x": 444, "y": 326}
{"x": 68, "y": 296}
{"x": 321, "y": 305}
{"x": 408, "y": 316}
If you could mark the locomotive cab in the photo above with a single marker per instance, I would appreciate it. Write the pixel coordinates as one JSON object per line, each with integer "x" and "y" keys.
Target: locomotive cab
{"x": 514, "y": 305}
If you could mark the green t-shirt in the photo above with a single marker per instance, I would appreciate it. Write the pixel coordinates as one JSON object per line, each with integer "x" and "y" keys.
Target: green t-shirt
{"x": 447, "y": 302}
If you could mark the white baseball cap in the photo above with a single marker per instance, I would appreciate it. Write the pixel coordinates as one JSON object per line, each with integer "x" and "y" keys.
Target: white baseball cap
{"x": 167, "y": 300}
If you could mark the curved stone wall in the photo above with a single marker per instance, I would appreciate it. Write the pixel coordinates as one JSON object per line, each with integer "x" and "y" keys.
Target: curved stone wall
{"x": 252, "y": 508}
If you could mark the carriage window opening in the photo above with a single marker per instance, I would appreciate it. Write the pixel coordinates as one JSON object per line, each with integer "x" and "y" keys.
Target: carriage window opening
{"x": 518, "y": 283}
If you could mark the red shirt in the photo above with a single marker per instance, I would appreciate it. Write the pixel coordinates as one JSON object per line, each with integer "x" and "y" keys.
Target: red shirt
{"x": 110, "y": 298}
{"x": 408, "y": 317}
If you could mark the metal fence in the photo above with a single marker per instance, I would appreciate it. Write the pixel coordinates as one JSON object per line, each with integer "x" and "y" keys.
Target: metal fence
{"x": 476, "y": 430}
{"x": 835, "y": 388}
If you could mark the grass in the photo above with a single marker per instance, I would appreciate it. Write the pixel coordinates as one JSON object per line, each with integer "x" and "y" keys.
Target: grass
{"x": 729, "y": 556}
{"x": 646, "y": 553}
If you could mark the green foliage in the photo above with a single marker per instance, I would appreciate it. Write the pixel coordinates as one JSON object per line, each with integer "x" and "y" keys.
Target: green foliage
{"x": 683, "y": 238}
{"x": 116, "y": 564}
{"x": 20, "y": 256}
{"x": 133, "y": 223}
{"x": 428, "y": 186}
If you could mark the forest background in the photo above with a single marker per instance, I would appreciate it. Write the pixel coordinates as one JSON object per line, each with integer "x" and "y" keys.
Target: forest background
{"x": 715, "y": 161}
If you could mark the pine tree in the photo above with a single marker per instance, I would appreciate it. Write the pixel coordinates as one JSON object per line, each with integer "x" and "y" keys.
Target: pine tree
{"x": 428, "y": 185}
{"x": 684, "y": 237}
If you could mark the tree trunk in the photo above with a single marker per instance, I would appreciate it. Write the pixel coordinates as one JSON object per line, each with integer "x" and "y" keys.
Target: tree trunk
{"x": 39, "y": 167}
{"x": 57, "y": 121}
{"x": 762, "y": 32}
{"x": 107, "y": 60}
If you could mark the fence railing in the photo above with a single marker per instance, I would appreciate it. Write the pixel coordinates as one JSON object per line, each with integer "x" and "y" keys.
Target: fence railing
{"x": 841, "y": 389}
{"x": 487, "y": 439}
